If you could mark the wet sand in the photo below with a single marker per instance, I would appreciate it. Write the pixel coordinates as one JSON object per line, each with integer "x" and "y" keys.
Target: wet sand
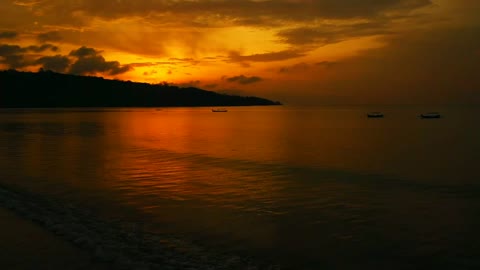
{"x": 25, "y": 245}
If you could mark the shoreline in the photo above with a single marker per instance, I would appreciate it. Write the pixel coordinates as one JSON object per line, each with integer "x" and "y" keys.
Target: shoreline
{"x": 107, "y": 244}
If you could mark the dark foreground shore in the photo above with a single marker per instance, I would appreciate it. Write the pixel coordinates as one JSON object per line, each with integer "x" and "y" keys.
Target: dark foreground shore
{"x": 40, "y": 233}
{"x": 25, "y": 245}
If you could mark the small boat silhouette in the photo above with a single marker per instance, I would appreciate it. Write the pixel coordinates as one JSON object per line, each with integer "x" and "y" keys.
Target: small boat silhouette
{"x": 375, "y": 115}
{"x": 430, "y": 115}
{"x": 220, "y": 110}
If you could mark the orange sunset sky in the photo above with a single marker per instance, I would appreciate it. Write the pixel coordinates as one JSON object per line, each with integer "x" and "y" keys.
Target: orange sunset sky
{"x": 294, "y": 51}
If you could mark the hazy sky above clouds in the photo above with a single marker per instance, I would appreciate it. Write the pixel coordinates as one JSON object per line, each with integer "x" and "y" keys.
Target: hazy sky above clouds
{"x": 295, "y": 51}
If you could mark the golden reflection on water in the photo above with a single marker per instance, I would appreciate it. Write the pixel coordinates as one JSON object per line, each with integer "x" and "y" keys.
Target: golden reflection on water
{"x": 161, "y": 155}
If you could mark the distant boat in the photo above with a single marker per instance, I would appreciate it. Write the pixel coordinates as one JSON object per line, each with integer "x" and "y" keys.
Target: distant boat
{"x": 430, "y": 115}
{"x": 375, "y": 115}
{"x": 220, "y": 110}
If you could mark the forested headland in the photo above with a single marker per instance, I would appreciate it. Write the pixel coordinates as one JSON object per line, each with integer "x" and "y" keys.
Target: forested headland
{"x": 46, "y": 89}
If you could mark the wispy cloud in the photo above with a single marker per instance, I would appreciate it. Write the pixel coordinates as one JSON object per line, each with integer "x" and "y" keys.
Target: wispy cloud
{"x": 299, "y": 67}
{"x": 242, "y": 79}
{"x": 326, "y": 64}
{"x": 324, "y": 34}
{"x": 265, "y": 57}
{"x": 27, "y": 3}
{"x": 49, "y": 36}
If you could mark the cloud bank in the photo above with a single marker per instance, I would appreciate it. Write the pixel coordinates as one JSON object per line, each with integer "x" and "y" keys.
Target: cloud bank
{"x": 82, "y": 61}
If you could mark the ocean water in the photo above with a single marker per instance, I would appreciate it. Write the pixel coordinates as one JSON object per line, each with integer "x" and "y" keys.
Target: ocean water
{"x": 299, "y": 187}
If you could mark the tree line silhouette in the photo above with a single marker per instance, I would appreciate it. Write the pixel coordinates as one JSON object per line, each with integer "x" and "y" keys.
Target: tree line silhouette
{"x": 47, "y": 89}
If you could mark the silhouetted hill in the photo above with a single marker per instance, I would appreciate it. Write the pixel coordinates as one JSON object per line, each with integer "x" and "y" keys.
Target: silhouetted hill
{"x": 48, "y": 89}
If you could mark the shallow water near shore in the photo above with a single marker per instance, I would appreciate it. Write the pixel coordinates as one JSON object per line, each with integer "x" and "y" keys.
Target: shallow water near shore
{"x": 299, "y": 187}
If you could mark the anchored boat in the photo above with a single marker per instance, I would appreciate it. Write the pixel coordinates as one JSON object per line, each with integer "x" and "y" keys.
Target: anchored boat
{"x": 220, "y": 110}
{"x": 430, "y": 115}
{"x": 375, "y": 115}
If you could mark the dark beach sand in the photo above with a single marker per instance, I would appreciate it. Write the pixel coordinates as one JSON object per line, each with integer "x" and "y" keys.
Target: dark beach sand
{"x": 40, "y": 233}
{"x": 25, "y": 245}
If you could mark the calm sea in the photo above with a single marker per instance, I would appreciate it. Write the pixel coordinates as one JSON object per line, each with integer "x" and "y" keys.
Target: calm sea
{"x": 303, "y": 187}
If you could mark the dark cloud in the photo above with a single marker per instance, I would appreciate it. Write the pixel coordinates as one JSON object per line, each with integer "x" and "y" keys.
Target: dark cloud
{"x": 18, "y": 57}
{"x": 89, "y": 61}
{"x": 8, "y": 35}
{"x": 97, "y": 64}
{"x": 15, "y": 61}
{"x": 300, "y": 67}
{"x": 6, "y": 49}
{"x": 265, "y": 57}
{"x": 328, "y": 34}
{"x": 306, "y": 70}
{"x": 84, "y": 52}
{"x": 57, "y": 63}
{"x": 243, "y": 79}
{"x": 42, "y": 48}
{"x": 49, "y": 36}
{"x": 299, "y": 10}
{"x": 210, "y": 13}
{"x": 326, "y": 64}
